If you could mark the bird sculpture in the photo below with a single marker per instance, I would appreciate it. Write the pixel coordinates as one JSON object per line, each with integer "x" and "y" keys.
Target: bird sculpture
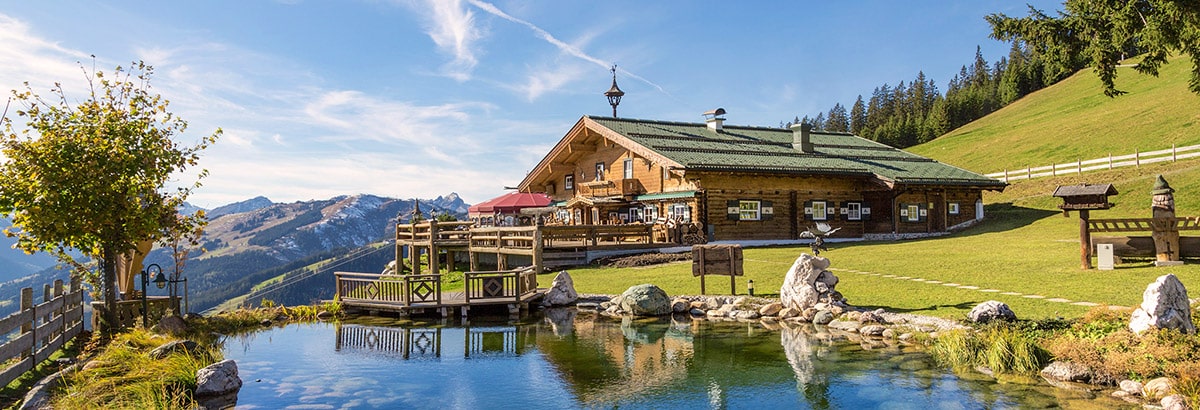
{"x": 818, "y": 233}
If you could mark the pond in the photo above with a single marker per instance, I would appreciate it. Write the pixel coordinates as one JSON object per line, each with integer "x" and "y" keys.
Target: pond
{"x": 565, "y": 359}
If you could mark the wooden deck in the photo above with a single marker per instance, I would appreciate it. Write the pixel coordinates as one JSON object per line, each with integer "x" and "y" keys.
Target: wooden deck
{"x": 545, "y": 246}
{"x": 416, "y": 294}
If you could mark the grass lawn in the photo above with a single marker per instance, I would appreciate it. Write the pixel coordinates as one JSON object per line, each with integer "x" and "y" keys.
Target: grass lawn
{"x": 1025, "y": 246}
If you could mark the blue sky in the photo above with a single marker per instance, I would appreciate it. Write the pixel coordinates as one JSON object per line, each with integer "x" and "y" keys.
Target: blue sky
{"x": 422, "y": 98}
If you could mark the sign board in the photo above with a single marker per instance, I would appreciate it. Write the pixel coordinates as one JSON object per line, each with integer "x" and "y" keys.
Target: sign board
{"x": 717, "y": 260}
{"x": 1104, "y": 256}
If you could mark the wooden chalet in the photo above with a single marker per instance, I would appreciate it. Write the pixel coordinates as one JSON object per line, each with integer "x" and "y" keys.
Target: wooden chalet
{"x": 750, "y": 183}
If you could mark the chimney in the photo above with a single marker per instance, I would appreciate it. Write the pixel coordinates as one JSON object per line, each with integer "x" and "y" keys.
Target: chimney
{"x": 714, "y": 120}
{"x": 800, "y": 138}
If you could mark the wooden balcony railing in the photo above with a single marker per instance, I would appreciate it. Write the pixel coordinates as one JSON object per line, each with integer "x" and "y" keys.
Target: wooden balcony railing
{"x": 442, "y": 232}
{"x": 408, "y": 290}
{"x": 619, "y": 187}
{"x": 500, "y": 285}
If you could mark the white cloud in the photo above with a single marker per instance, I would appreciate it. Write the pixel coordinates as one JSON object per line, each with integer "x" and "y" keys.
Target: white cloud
{"x": 452, "y": 28}
{"x": 562, "y": 46}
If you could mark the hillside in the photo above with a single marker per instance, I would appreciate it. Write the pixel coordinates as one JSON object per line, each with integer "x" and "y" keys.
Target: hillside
{"x": 1073, "y": 120}
{"x": 257, "y": 240}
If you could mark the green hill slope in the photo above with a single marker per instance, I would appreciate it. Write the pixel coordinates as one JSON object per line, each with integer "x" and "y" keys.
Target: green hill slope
{"x": 1073, "y": 120}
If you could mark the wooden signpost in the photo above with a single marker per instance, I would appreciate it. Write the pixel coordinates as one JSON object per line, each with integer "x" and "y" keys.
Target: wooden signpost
{"x": 717, "y": 260}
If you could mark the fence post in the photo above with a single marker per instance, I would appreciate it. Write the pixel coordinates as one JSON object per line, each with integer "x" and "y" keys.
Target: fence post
{"x": 1079, "y": 166}
{"x": 1110, "y": 160}
{"x": 1137, "y": 160}
{"x": 1028, "y": 172}
{"x": 1173, "y": 152}
{"x": 1005, "y": 181}
{"x": 27, "y": 304}
{"x": 60, "y": 313}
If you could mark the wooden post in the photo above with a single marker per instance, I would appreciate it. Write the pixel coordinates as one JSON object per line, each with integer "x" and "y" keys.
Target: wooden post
{"x": 1137, "y": 160}
{"x": 1110, "y": 160}
{"x": 1085, "y": 241}
{"x": 434, "y": 252}
{"x": 27, "y": 304}
{"x": 537, "y": 249}
{"x": 414, "y": 258}
{"x": 60, "y": 313}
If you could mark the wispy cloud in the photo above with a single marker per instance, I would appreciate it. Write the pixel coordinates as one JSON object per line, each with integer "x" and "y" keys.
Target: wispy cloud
{"x": 452, "y": 28}
{"x": 561, "y": 45}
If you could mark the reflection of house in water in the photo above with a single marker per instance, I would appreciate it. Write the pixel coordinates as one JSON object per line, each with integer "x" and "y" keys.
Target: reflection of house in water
{"x": 603, "y": 363}
{"x": 427, "y": 343}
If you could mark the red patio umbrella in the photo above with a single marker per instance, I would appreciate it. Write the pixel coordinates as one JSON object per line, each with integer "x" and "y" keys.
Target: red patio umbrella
{"x": 510, "y": 203}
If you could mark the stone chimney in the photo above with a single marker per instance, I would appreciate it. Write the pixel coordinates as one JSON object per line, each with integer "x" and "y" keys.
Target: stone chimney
{"x": 714, "y": 119}
{"x": 801, "y": 141}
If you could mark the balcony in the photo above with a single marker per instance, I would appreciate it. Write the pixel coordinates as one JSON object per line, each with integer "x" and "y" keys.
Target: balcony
{"x": 620, "y": 187}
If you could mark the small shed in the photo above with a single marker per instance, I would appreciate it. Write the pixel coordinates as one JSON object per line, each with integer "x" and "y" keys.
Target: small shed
{"x": 1084, "y": 197}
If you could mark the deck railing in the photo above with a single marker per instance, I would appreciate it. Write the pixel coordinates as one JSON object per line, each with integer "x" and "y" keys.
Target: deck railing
{"x": 43, "y": 328}
{"x": 500, "y": 285}
{"x": 408, "y": 290}
{"x": 442, "y": 232}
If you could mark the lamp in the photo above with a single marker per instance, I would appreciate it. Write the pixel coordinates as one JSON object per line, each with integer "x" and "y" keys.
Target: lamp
{"x": 614, "y": 93}
{"x": 160, "y": 281}
{"x": 750, "y": 286}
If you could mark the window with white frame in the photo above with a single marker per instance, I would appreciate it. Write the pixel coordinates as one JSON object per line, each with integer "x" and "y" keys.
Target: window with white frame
{"x": 680, "y": 212}
{"x": 628, "y": 168}
{"x": 819, "y": 211}
{"x": 599, "y": 171}
{"x": 651, "y": 213}
{"x": 635, "y": 214}
{"x": 952, "y": 208}
{"x": 569, "y": 183}
{"x": 749, "y": 210}
{"x": 914, "y": 213}
{"x": 854, "y": 211}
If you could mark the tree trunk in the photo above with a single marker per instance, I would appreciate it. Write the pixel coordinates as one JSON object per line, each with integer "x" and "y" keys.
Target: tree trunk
{"x": 109, "y": 282}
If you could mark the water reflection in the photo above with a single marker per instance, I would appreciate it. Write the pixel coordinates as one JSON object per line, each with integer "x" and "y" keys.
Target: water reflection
{"x": 571, "y": 359}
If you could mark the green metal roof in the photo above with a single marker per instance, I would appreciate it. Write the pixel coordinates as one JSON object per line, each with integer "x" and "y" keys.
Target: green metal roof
{"x": 666, "y": 195}
{"x": 769, "y": 150}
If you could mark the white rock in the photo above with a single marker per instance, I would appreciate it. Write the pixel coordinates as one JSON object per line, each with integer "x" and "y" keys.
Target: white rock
{"x": 218, "y": 379}
{"x": 562, "y": 291}
{"x": 1165, "y": 306}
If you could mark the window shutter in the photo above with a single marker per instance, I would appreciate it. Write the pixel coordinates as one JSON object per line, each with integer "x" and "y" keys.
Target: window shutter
{"x": 808, "y": 211}
{"x": 766, "y": 211}
{"x": 732, "y": 210}
{"x": 866, "y": 212}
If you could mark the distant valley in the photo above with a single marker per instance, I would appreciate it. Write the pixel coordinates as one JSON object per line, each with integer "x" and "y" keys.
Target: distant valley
{"x": 248, "y": 242}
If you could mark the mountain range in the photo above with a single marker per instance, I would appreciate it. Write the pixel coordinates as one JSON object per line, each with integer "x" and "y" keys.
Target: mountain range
{"x": 251, "y": 241}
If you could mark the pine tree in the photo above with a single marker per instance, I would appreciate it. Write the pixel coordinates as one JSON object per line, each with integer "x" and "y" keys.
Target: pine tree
{"x": 858, "y": 116}
{"x": 838, "y": 120}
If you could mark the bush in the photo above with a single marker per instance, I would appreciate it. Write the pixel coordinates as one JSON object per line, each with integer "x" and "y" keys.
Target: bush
{"x": 1102, "y": 341}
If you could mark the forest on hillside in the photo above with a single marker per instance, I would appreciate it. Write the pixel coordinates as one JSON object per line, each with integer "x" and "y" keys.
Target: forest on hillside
{"x": 916, "y": 111}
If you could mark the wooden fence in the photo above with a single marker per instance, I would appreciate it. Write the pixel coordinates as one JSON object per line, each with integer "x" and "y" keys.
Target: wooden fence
{"x": 506, "y": 285}
{"x": 43, "y": 328}
{"x": 1135, "y": 159}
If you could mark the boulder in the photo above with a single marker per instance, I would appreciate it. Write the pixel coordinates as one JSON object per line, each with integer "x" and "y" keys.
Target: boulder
{"x": 808, "y": 282}
{"x": 770, "y": 309}
{"x": 1156, "y": 388}
{"x": 1131, "y": 387}
{"x": 218, "y": 379}
{"x": 562, "y": 291}
{"x": 823, "y": 317}
{"x": 184, "y": 346}
{"x": 697, "y": 312}
{"x": 870, "y": 317}
{"x": 680, "y": 305}
{"x": 787, "y": 313}
{"x": 1174, "y": 402}
{"x": 872, "y": 330}
{"x": 171, "y": 325}
{"x": 1067, "y": 371}
{"x": 991, "y": 310}
{"x": 745, "y": 314}
{"x": 645, "y": 300}
{"x": 1164, "y": 306}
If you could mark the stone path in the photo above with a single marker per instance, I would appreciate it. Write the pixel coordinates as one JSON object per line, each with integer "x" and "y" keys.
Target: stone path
{"x": 967, "y": 287}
